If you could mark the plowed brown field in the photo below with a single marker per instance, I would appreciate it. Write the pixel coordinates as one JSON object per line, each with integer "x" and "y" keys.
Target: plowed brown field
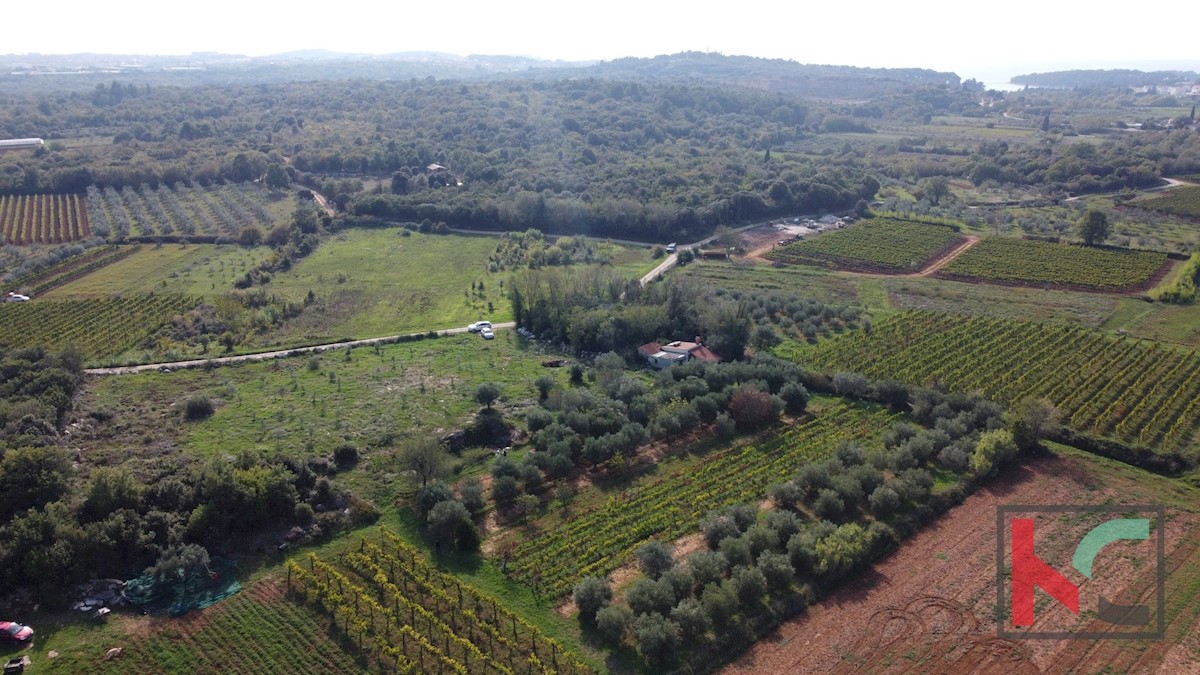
{"x": 930, "y": 606}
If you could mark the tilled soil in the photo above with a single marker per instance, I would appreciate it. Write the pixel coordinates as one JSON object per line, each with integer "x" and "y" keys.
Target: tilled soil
{"x": 930, "y": 606}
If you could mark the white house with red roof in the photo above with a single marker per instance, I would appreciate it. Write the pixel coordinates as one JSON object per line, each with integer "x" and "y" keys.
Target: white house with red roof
{"x": 664, "y": 356}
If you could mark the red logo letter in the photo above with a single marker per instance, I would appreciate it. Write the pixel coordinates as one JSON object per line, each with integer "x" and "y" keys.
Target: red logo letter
{"x": 1028, "y": 570}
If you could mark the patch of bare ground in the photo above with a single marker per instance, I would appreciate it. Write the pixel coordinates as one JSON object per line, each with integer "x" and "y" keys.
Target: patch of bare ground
{"x": 930, "y": 606}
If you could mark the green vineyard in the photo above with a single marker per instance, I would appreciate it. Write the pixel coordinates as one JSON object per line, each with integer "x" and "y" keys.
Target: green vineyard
{"x": 1141, "y": 393}
{"x": 72, "y": 268}
{"x": 1180, "y": 201}
{"x": 1041, "y": 263}
{"x": 43, "y": 219}
{"x": 97, "y": 327}
{"x": 878, "y": 244}
{"x": 598, "y": 542}
{"x": 405, "y": 616}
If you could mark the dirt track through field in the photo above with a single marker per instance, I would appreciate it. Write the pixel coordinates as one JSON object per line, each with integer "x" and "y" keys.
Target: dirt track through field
{"x": 929, "y": 607}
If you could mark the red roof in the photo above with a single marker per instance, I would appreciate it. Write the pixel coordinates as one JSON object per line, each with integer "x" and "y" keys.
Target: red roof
{"x": 704, "y": 354}
{"x": 650, "y": 348}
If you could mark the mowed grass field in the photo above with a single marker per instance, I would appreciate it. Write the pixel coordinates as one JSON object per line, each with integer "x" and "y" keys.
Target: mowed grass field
{"x": 371, "y": 283}
{"x": 180, "y": 269}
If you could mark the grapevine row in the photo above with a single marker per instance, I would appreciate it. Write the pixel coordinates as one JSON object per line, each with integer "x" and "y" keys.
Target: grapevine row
{"x": 42, "y": 219}
{"x": 599, "y": 541}
{"x": 1022, "y": 261}
{"x": 407, "y": 617}
{"x": 97, "y": 327}
{"x": 886, "y": 244}
{"x": 1135, "y": 391}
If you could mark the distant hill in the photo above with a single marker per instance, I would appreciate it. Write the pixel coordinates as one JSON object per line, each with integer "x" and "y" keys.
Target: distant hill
{"x": 85, "y": 71}
{"x": 774, "y": 75}
{"x": 1106, "y": 78}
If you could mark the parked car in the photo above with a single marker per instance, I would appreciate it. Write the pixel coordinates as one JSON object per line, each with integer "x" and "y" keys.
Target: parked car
{"x": 14, "y": 633}
{"x": 487, "y": 333}
{"x": 671, "y": 247}
{"x": 479, "y": 326}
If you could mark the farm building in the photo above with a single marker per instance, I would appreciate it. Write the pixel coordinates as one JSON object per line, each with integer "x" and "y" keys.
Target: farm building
{"x": 21, "y": 143}
{"x": 671, "y": 353}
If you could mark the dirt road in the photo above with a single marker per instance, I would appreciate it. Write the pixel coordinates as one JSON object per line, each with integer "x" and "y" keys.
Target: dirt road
{"x": 262, "y": 356}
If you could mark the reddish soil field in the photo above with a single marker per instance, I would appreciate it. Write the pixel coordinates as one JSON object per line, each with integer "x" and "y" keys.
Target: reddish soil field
{"x": 930, "y": 606}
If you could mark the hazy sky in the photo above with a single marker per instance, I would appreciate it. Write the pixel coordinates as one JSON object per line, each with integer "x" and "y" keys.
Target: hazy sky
{"x": 973, "y": 39}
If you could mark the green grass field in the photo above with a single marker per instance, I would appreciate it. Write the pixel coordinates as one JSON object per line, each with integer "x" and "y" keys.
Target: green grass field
{"x": 376, "y": 398}
{"x": 371, "y": 283}
{"x": 204, "y": 270}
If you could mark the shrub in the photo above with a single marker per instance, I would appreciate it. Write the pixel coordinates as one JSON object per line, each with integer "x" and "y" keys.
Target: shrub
{"x": 345, "y": 456}
{"x": 884, "y": 501}
{"x": 654, "y": 557}
{"x": 842, "y": 551}
{"x": 828, "y": 504}
{"x": 650, "y": 597}
{"x": 692, "y": 620}
{"x": 736, "y": 550}
{"x": 750, "y": 585}
{"x": 471, "y": 491}
{"x": 795, "y": 397}
{"x": 752, "y": 409}
{"x": 657, "y": 638}
{"x": 447, "y": 520}
{"x": 198, "y": 408}
{"x": 707, "y": 567}
{"x": 431, "y": 495}
{"x": 954, "y": 459}
{"x": 718, "y": 527}
{"x": 591, "y": 595}
{"x": 777, "y": 569}
{"x": 993, "y": 450}
{"x": 612, "y": 622}
{"x": 851, "y": 385}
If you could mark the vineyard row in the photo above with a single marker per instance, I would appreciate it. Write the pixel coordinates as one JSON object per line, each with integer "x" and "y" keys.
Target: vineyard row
{"x": 1140, "y": 393}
